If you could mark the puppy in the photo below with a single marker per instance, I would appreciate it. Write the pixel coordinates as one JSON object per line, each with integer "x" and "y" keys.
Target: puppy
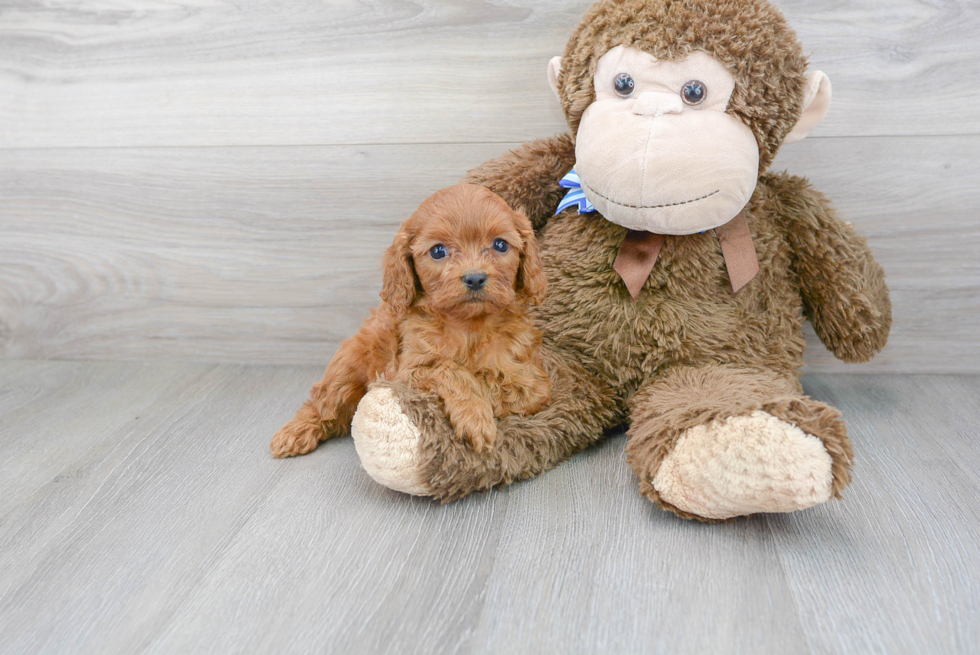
{"x": 457, "y": 280}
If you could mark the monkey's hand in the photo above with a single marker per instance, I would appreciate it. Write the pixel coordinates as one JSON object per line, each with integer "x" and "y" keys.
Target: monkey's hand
{"x": 527, "y": 177}
{"x": 843, "y": 287}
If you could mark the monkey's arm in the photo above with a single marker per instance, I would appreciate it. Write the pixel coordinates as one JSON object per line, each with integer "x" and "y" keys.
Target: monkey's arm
{"x": 527, "y": 177}
{"x": 843, "y": 287}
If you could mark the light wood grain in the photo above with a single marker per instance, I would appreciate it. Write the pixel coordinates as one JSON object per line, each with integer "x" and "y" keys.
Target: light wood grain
{"x": 260, "y": 72}
{"x": 588, "y": 565}
{"x": 128, "y": 526}
{"x": 49, "y": 413}
{"x": 173, "y": 253}
{"x": 407, "y": 575}
{"x": 272, "y": 254}
{"x": 224, "y": 243}
{"x": 179, "y": 533}
{"x": 908, "y": 590}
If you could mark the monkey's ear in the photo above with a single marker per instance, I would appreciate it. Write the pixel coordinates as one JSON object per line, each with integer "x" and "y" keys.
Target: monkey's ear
{"x": 554, "y": 70}
{"x": 399, "y": 286}
{"x": 816, "y": 102}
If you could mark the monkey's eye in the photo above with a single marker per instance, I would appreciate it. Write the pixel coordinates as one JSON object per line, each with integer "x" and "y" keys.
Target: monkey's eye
{"x": 624, "y": 85}
{"x": 693, "y": 93}
{"x": 438, "y": 251}
{"x": 500, "y": 245}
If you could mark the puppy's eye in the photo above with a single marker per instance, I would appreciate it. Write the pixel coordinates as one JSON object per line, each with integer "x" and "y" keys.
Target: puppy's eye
{"x": 500, "y": 245}
{"x": 624, "y": 85}
{"x": 438, "y": 251}
{"x": 693, "y": 93}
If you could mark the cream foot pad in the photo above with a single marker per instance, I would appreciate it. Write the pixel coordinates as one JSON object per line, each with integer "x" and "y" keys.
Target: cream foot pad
{"x": 745, "y": 465}
{"x": 387, "y": 442}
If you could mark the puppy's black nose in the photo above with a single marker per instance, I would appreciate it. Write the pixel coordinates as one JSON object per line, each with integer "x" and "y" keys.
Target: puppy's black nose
{"x": 474, "y": 280}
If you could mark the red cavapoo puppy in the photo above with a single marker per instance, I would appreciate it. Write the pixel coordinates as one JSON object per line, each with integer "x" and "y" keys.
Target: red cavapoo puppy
{"x": 452, "y": 320}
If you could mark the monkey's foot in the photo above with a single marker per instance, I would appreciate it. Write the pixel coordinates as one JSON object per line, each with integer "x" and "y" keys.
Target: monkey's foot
{"x": 743, "y": 465}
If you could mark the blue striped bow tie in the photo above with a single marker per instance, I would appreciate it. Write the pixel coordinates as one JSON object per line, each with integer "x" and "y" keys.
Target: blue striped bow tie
{"x": 575, "y": 195}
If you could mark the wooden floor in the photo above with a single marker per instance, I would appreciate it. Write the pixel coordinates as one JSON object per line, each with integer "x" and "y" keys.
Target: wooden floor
{"x": 140, "y": 512}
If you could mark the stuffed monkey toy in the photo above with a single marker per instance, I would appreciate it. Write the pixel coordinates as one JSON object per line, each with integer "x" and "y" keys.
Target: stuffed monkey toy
{"x": 680, "y": 270}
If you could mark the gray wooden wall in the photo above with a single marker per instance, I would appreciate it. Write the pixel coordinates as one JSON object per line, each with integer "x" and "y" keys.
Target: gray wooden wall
{"x": 215, "y": 180}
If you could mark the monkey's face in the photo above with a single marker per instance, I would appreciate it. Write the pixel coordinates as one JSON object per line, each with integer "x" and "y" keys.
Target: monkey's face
{"x": 656, "y": 151}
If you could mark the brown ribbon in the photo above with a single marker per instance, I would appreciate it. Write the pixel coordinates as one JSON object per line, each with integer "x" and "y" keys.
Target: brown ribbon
{"x": 741, "y": 259}
{"x": 637, "y": 255}
{"x": 639, "y": 251}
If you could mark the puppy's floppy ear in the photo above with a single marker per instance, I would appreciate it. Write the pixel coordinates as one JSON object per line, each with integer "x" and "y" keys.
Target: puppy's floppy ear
{"x": 399, "y": 282}
{"x": 531, "y": 282}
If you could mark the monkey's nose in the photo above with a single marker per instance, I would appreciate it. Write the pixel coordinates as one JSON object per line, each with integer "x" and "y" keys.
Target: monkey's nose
{"x": 658, "y": 103}
{"x": 474, "y": 280}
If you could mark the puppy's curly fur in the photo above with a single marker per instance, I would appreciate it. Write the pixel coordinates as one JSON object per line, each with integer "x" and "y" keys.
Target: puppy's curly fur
{"x": 451, "y": 320}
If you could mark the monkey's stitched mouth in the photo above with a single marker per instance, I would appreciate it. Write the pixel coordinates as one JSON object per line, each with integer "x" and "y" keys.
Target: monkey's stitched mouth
{"x": 667, "y": 204}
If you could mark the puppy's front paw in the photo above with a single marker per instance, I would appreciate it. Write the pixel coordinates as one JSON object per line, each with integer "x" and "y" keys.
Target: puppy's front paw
{"x": 296, "y": 438}
{"x": 532, "y": 400}
{"x": 529, "y": 396}
{"x": 478, "y": 430}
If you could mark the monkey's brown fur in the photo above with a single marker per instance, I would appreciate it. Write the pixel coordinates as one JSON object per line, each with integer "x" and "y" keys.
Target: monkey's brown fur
{"x": 475, "y": 349}
{"x": 688, "y": 350}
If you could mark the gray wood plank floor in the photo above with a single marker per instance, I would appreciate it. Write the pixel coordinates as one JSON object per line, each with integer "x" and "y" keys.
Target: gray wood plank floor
{"x": 140, "y": 512}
